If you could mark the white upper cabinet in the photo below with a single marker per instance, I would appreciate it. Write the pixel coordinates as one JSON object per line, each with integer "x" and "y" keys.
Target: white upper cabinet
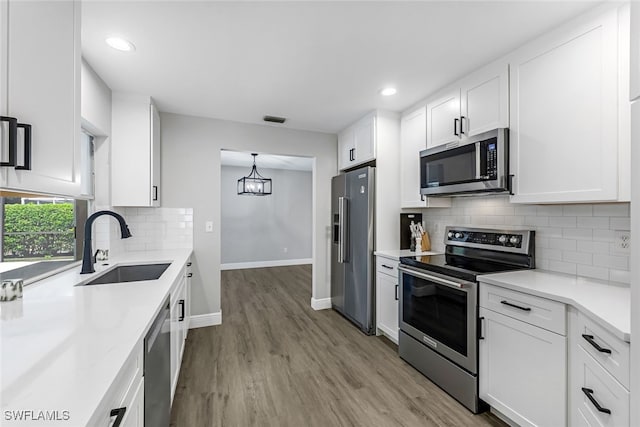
{"x": 443, "y": 119}
{"x": 476, "y": 104}
{"x": 357, "y": 143}
{"x": 135, "y": 151}
{"x": 40, "y": 66}
{"x": 413, "y": 139}
{"x": 484, "y": 100}
{"x": 564, "y": 137}
{"x": 634, "y": 90}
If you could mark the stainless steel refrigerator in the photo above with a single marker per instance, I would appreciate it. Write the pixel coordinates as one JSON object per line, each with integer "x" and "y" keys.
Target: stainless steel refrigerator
{"x": 352, "y": 266}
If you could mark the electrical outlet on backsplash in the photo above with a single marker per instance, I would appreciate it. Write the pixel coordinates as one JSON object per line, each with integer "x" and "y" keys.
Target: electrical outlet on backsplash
{"x": 579, "y": 239}
{"x": 151, "y": 229}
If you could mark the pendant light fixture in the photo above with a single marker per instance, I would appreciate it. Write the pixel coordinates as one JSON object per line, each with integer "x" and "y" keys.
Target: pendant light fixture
{"x": 254, "y": 184}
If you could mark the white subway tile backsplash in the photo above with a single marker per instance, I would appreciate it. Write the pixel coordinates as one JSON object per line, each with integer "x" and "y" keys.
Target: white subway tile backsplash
{"x": 574, "y": 239}
{"x": 562, "y": 221}
{"x": 593, "y": 247}
{"x": 577, "y": 233}
{"x": 611, "y": 209}
{"x": 620, "y": 224}
{"x": 549, "y": 210}
{"x": 577, "y": 210}
{"x": 577, "y": 257}
{"x": 594, "y": 222}
{"x": 563, "y": 244}
{"x": 153, "y": 229}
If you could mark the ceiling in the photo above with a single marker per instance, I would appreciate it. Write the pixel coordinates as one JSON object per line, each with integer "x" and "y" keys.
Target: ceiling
{"x": 320, "y": 64}
{"x": 265, "y": 161}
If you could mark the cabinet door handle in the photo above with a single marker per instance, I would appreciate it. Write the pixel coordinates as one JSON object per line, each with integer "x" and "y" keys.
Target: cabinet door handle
{"x": 519, "y": 307}
{"x": 188, "y": 264}
{"x": 462, "y": 125}
{"x": 181, "y": 302}
{"x": 480, "y": 323}
{"x": 26, "y": 162}
{"x": 397, "y": 287}
{"x": 119, "y": 414}
{"x": 589, "y": 393}
{"x": 589, "y": 339}
{"x": 155, "y": 193}
{"x": 455, "y": 126}
{"x": 13, "y": 139}
{"x": 387, "y": 266}
{"x": 190, "y": 275}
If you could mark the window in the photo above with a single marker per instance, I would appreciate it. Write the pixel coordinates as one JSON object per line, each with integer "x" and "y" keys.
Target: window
{"x": 38, "y": 234}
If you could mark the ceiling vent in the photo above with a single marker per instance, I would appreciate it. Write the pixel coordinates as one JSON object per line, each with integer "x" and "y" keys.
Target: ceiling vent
{"x": 274, "y": 119}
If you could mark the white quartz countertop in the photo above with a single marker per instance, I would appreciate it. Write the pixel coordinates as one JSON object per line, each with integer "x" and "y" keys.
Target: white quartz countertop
{"x": 607, "y": 304}
{"x": 396, "y": 254}
{"x": 62, "y": 346}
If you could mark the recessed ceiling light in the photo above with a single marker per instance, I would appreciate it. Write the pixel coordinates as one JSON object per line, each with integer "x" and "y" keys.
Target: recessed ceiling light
{"x": 388, "y": 91}
{"x": 120, "y": 44}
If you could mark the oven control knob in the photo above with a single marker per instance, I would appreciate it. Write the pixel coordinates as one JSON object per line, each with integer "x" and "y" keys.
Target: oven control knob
{"x": 502, "y": 239}
{"x": 450, "y": 235}
{"x": 458, "y": 235}
{"x": 514, "y": 240}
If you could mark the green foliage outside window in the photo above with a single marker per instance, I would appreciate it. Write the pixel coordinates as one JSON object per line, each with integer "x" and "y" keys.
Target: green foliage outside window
{"x": 38, "y": 231}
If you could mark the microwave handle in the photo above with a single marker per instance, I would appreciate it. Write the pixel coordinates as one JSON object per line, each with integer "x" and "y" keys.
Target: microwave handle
{"x": 478, "y": 176}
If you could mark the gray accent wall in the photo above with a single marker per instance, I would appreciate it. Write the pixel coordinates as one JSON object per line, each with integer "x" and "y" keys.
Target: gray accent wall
{"x": 267, "y": 228}
{"x": 191, "y": 176}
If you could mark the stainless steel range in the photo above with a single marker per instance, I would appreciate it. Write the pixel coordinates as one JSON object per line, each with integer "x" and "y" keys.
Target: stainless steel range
{"x": 439, "y": 304}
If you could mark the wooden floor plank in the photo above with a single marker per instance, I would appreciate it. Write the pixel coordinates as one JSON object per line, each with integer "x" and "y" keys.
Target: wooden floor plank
{"x": 277, "y": 362}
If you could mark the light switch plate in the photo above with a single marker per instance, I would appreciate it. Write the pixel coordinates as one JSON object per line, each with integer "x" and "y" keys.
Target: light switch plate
{"x": 208, "y": 226}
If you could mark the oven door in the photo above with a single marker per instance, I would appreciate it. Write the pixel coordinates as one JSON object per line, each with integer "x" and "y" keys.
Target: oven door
{"x": 440, "y": 312}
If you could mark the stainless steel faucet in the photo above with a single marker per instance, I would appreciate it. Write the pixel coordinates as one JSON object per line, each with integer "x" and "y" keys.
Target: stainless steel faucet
{"x": 87, "y": 259}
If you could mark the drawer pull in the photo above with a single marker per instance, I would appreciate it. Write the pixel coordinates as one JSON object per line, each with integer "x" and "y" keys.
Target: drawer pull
{"x": 589, "y": 393}
{"x": 190, "y": 275}
{"x": 188, "y": 264}
{"x": 119, "y": 414}
{"x": 595, "y": 345}
{"x": 515, "y": 306}
{"x": 386, "y": 266}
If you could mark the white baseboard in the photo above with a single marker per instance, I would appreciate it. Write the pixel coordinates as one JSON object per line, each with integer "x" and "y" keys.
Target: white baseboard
{"x": 204, "y": 320}
{"x": 262, "y": 264}
{"x": 320, "y": 304}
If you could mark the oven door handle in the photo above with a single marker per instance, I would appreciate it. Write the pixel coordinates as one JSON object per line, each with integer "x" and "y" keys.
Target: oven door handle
{"x": 445, "y": 282}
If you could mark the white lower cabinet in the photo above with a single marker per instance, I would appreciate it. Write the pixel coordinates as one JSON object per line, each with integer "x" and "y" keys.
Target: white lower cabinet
{"x": 179, "y": 325}
{"x": 387, "y": 295}
{"x": 522, "y": 370}
{"x": 599, "y": 375}
{"x": 126, "y": 395}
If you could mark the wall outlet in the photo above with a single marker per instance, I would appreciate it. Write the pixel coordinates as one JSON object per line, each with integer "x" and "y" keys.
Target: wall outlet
{"x": 285, "y": 250}
{"x": 622, "y": 242}
{"x": 208, "y": 226}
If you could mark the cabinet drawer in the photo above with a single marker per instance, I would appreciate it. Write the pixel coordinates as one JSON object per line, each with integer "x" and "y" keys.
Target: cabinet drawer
{"x": 613, "y": 354}
{"x": 604, "y": 390}
{"x": 122, "y": 389}
{"x": 541, "y": 312}
{"x": 387, "y": 266}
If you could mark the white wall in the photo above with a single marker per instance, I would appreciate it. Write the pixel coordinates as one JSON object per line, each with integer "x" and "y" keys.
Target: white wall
{"x": 191, "y": 177}
{"x": 575, "y": 239}
{"x": 268, "y": 228}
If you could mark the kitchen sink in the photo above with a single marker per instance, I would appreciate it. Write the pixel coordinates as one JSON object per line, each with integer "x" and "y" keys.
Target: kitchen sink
{"x": 130, "y": 273}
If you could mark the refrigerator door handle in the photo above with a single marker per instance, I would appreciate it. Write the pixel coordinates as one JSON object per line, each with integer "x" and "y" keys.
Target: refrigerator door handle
{"x": 342, "y": 229}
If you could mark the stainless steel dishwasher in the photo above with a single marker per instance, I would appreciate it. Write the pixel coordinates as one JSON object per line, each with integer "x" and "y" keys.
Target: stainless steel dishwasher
{"x": 157, "y": 371}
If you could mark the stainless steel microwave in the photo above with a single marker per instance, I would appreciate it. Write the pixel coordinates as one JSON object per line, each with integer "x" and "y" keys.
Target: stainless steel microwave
{"x": 481, "y": 164}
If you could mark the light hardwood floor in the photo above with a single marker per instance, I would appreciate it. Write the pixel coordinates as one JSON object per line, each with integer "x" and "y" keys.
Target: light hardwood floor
{"x": 276, "y": 362}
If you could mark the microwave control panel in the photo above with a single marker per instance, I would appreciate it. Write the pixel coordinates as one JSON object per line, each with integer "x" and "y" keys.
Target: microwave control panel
{"x": 490, "y": 153}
